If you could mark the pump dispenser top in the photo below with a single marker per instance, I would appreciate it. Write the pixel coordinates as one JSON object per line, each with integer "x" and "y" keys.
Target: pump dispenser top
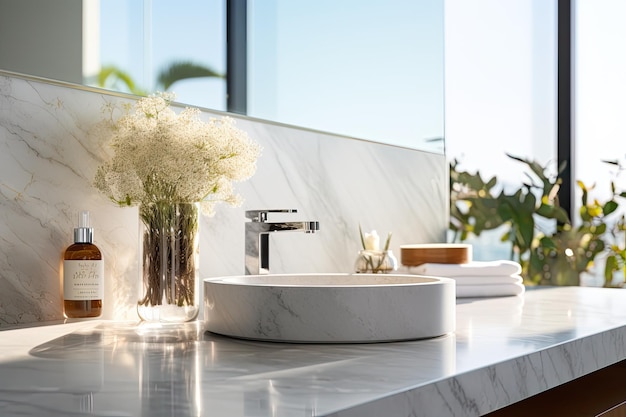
{"x": 83, "y": 233}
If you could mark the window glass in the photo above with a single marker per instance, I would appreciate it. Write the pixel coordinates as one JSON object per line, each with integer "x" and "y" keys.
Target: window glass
{"x": 368, "y": 69}
{"x": 145, "y": 38}
{"x": 500, "y": 92}
{"x": 600, "y": 65}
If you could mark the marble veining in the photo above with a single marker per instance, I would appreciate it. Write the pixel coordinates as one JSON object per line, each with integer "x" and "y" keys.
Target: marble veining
{"x": 48, "y": 157}
{"x": 503, "y": 350}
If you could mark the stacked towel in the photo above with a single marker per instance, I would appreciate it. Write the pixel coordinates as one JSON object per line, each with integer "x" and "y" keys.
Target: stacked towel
{"x": 478, "y": 278}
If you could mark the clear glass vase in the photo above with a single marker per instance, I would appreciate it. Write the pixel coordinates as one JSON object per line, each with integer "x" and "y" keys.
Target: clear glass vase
{"x": 169, "y": 284}
{"x": 375, "y": 262}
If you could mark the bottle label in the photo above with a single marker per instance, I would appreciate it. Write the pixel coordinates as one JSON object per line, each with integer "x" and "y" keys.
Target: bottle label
{"x": 83, "y": 280}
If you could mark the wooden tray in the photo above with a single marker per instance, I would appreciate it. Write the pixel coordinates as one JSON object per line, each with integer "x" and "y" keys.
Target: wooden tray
{"x": 440, "y": 253}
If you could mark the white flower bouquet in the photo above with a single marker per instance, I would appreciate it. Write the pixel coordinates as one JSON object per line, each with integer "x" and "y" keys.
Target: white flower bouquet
{"x": 162, "y": 156}
{"x": 168, "y": 164}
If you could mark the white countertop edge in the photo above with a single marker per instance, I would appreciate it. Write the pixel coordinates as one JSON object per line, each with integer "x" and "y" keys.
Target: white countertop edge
{"x": 484, "y": 390}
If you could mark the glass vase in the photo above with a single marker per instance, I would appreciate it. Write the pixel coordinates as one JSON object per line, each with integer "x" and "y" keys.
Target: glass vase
{"x": 375, "y": 262}
{"x": 169, "y": 262}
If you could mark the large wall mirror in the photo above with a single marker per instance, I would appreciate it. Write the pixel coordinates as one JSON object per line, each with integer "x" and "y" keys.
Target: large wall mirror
{"x": 369, "y": 69}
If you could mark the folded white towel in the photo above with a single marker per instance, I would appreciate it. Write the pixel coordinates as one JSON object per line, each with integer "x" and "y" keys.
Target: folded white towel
{"x": 480, "y": 268}
{"x": 487, "y": 279}
{"x": 495, "y": 290}
{"x": 474, "y": 279}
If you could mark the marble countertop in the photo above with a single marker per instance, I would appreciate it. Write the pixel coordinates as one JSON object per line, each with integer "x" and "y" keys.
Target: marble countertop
{"x": 504, "y": 350}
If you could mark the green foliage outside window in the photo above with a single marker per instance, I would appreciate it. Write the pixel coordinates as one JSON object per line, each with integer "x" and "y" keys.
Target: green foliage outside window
{"x": 114, "y": 78}
{"x": 548, "y": 257}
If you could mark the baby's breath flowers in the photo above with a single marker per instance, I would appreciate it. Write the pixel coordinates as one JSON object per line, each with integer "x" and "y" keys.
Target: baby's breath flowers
{"x": 161, "y": 156}
{"x": 166, "y": 162}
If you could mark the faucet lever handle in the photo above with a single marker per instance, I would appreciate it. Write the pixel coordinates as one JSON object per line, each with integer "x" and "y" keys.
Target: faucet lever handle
{"x": 261, "y": 215}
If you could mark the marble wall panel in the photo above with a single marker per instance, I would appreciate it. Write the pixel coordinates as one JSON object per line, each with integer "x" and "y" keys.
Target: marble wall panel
{"x": 47, "y": 163}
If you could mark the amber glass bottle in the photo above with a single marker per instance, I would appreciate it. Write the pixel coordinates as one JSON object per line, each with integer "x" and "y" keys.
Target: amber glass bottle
{"x": 83, "y": 274}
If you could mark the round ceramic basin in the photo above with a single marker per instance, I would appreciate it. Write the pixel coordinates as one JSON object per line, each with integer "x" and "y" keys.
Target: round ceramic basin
{"x": 330, "y": 308}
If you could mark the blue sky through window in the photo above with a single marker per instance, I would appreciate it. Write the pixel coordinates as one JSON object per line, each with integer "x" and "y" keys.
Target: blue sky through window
{"x": 389, "y": 88}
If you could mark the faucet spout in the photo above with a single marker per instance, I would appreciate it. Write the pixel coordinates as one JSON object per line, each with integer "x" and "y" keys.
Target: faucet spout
{"x": 257, "y": 237}
{"x": 306, "y": 227}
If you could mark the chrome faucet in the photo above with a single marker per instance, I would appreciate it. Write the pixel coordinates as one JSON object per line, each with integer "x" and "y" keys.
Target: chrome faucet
{"x": 257, "y": 237}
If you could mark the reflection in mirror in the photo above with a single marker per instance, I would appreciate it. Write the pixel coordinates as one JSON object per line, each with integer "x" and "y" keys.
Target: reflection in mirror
{"x": 366, "y": 69}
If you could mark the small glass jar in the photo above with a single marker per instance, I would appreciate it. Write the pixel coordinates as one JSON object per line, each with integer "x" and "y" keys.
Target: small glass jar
{"x": 375, "y": 262}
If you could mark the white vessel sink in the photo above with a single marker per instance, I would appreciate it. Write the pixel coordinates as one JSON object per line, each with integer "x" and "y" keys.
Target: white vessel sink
{"x": 330, "y": 308}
